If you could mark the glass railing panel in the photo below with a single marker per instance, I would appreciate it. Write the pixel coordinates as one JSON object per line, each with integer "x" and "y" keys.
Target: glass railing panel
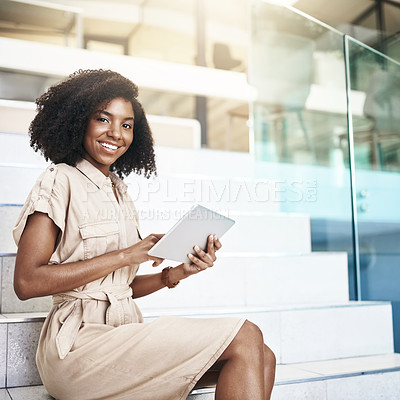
{"x": 300, "y": 120}
{"x": 393, "y": 47}
{"x": 376, "y": 137}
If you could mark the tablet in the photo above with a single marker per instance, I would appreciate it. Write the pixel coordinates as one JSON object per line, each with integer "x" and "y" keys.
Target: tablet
{"x": 192, "y": 229}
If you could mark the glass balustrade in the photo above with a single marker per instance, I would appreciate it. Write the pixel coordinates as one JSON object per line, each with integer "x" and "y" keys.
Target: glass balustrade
{"x": 326, "y": 126}
{"x": 375, "y": 133}
{"x": 299, "y": 121}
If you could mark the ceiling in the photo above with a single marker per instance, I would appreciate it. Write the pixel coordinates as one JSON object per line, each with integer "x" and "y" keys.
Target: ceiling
{"x": 138, "y": 25}
{"x": 336, "y": 11}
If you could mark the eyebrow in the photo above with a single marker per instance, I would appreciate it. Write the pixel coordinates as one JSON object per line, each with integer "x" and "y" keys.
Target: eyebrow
{"x": 111, "y": 115}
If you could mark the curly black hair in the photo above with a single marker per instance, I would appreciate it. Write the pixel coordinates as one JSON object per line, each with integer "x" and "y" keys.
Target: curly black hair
{"x": 63, "y": 114}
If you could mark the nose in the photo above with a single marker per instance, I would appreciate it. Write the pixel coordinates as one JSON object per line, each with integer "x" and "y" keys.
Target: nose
{"x": 115, "y": 131}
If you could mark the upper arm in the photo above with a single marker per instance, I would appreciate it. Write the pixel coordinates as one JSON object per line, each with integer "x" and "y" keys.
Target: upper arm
{"x": 35, "y": 248}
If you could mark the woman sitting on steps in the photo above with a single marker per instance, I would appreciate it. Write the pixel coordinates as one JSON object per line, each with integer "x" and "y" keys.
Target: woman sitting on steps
{"x": 78, "y": 241}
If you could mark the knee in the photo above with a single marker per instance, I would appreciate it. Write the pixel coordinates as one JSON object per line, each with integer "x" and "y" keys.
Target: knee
{"x": 249, "y": 339}
{"x": 251, "y": 333}
{"x": 252, "y": 329}
{"x": 269, "y": 358}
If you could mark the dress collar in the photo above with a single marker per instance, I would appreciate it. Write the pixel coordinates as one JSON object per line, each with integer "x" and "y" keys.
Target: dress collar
{"x": 120, "y": 185}
{"x": 98, "y": 178}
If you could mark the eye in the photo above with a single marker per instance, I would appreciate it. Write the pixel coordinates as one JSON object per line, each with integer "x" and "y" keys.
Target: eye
{"x": 127, "y": 126}
{"x": 102, "y": 119}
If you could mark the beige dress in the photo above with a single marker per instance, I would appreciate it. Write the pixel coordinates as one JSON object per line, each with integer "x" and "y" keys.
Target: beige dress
{"x": 94, "y": 344}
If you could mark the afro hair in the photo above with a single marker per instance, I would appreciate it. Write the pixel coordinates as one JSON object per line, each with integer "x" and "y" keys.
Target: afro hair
{"x": 63, "y": 114}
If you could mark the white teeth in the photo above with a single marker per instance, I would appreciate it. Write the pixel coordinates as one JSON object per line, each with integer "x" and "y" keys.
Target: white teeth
{"x": 109, "y": 146}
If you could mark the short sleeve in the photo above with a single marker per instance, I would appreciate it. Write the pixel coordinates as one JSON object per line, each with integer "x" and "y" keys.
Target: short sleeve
{"x": 49, "y": 195}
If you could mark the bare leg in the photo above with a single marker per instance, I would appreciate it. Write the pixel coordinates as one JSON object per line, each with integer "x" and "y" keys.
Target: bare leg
{"x": 249, "y": 369}
{"x": 269, "y": 371}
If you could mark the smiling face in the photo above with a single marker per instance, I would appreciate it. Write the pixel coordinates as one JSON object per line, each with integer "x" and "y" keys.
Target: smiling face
{"x": 109, "y": 133}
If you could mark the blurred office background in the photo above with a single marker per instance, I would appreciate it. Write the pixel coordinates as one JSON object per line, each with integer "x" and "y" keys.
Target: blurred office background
{"x": 308, "y": 91}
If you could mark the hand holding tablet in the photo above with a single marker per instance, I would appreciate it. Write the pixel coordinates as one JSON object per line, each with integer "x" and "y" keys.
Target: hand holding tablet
{"x": 192, "y": 229}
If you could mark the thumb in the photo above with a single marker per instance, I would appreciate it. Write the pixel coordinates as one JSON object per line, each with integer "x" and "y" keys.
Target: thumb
{"x": 157, "y": 262}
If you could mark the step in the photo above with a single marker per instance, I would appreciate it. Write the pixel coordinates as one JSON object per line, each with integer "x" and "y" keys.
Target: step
{"x": 277, "y": 233}
{"x": 9, "y": 302}
{"x": 25, "y": 393}
{"x": 17, "y": 151}
{"x": 170, "y": 160}
{"x": 8, "y": 217}
{"x": 237, "y": 279}
{"x": 311, "y": 332}
{"x": 16, "y": 116}
{"x": 180, "y": 191}
{"x": 19, "y": 339}
{"x": 17, "y": 180}
{"x": 165, "y": 192}
{"x": 223, "y": 179}
{"x": 307, "y": 333}
{"x": 366, "y": 378}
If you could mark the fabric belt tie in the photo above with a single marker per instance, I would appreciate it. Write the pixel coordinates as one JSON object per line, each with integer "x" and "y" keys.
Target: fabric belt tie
{"x": 68, "y": 332}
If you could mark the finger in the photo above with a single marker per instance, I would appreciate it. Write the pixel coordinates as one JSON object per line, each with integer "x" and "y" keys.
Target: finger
{"x": 157, "y": 261}
{"x": 156, "y": 236}
{"x": 152, "y": 239}
{"x": 217, "y": 243}
{"x": 211, "y": 248}
{"x": 198, "y": 264}
{"x": 204, "y": 256}
{"x": 190, "y": 267}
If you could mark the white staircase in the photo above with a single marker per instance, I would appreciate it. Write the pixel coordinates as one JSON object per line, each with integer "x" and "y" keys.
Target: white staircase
{"x": 327, "y": 347}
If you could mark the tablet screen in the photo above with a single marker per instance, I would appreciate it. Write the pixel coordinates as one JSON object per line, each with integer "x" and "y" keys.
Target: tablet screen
{"x": 192, "y": 229}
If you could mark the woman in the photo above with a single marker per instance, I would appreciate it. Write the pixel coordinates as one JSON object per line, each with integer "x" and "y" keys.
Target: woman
{"x": 78, "y": 241}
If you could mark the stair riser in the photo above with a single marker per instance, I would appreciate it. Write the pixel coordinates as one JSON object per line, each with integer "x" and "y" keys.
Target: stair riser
{"x": 312, "y": 334}
{"x": 172, "y": 193}
{"x": 302, "y": 335}
{"x": 19, "y": 144}
{"x": 270, "y": 233}
{"x": 9, "y": 302}
{"x": 234, "y": 281}
{"x": 19, "y": 364}
{"x": 365, "y": 387}
{"x": 230, "y": 186}
{"x": 5, "y": 396}
{"x": 16, "y": 189}
{"x": 8, "y": 218}
{"x": 166, "y": 195}
{"x": 170, "y": 160}
{"x": 28, "y": 393}
{"x": 208, "y": 396}
{"x": 342, "y": 332}
{"x": 259, "y": 281}
{"x": 3, "y": 350}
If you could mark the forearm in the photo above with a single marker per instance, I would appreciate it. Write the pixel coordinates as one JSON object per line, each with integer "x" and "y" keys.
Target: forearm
{"x": 34, "y": 277}
{"x": 143, "y": 285}
{"x": 48, "y": 279}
